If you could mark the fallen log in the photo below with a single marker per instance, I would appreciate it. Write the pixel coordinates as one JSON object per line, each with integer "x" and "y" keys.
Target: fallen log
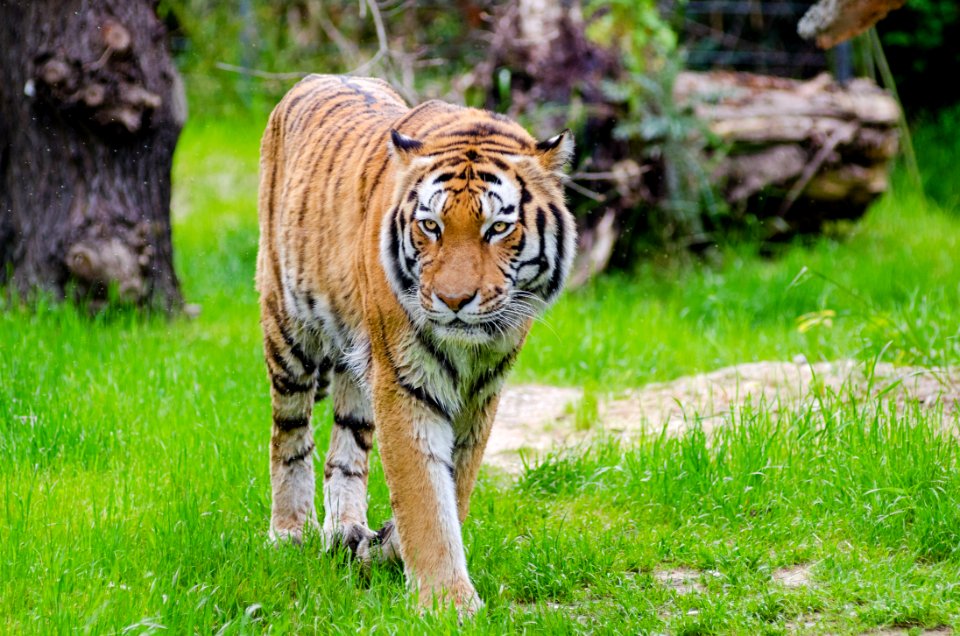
{"x": 805, "y": 152}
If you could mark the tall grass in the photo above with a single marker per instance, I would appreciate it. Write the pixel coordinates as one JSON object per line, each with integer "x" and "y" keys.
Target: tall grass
{"x": 134, "y": 493}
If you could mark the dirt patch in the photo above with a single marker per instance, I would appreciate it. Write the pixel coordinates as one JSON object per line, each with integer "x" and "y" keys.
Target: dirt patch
{"x": 793, "y": 577}
{"x": 534, "y": 420}
{"x": 805, "y": 624}
{"x": 710, "y": 397}
{"x": 901, "y": 631}
{"x": 680, "y": 580}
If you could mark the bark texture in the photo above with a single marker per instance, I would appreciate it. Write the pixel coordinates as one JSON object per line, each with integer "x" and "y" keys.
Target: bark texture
{"x": 831, "y": 22}
{"x": 550, "y": 64}
{"x": 796, "y": 153}
{"x": 91, "y": 108}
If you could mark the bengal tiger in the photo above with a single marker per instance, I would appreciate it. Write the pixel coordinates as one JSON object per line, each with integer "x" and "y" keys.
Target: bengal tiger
{"x": 403, "y": 256}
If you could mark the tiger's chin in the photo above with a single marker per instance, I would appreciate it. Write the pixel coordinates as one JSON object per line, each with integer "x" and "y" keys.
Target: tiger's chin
{"x": 466, "y": 334}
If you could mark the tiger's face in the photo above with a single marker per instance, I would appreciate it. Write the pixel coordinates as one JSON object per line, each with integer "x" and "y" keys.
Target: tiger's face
{"x": 474, "y": 248}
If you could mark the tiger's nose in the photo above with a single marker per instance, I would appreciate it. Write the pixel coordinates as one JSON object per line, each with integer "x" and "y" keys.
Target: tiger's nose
{"x": 456, "y": 302}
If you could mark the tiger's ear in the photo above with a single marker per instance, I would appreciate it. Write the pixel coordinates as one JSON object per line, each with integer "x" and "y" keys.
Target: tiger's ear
{"x": 403, "y": 147}
{"x": 555, "y": 153}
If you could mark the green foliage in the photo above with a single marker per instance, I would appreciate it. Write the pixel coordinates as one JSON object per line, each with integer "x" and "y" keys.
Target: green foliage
{"x": 134, "y": 487}
{"x": 932, "y": 23}
{"x": 920, "y": 40}
{"x": 651, "y": 124}
{"x": 307, "y": 36}
{"x": 635, "y": 29}
{"x": 939, "y": 137}
{"x": 671, "y": 136}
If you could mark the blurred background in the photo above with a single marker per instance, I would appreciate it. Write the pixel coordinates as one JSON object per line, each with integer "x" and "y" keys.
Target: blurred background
{"x": 744, "y": 197}
{"x": 658, "y": 167}
{"x": 700, "y": 124}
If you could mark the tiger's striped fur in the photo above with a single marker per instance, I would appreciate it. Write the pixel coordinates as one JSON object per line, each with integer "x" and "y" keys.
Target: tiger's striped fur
{"x": 403, "y": 255}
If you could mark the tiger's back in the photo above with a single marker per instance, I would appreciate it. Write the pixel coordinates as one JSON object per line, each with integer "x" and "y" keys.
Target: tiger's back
{"x": 322, "y": 155}
{"x": 403, "y": 255}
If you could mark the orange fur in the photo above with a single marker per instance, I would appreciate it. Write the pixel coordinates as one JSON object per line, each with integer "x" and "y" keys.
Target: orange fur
{"x": 403, "y": 255}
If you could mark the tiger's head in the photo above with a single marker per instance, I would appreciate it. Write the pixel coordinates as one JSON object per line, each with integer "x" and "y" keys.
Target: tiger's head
{"x": 478, "y": 239}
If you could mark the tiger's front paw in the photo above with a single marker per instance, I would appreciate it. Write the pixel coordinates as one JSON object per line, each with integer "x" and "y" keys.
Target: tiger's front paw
{"x": 282, "y": 537}
{"x": 382, "y": 547}
{"x": 459, "y": 593}
{"x": 468, "y": 605}
{"x": 349, "y": 537}
{"x": 291, "y": 532}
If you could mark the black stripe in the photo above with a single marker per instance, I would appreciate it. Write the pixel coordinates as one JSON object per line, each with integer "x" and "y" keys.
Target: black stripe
{"x": 540, "y": 259}
{"x": 357, "y": 426}
{"x": 525, "y": 196}
{"x": 377, "y": 178}
{"x": 291, "y": 423}
{"x": 406, "y": 280}
{"x": 309, "y": 366}
{"x": 420, "y": 394}
{"x": 363, "y": 155}
{"x": 321, "y": 157}
{"x": 489, "y": 177}
{"x": 416, "y": 392}
{"x": 321, "y": 160}
{"x": 453, "y": 160}
{"x": 284, "y": 386}
{"x": 494, "y": 373}
{"x": 486, "y": 146}
{"x": 307, "y": 113}
{"x": 398, "y": 124}
{"x": 554, "y": 286}
{"x": 299, "y": 457}
{"x": 273, "y": 353}
{"x": 430, "y": 346}
{"x": 323, "y": 379}
{"x": 271, "y": 189}
{"x": 486, "y": 130}
{"x": 329, "y": 467}
{"x": 518, "y": 248}
{"x": 323, "y": 368}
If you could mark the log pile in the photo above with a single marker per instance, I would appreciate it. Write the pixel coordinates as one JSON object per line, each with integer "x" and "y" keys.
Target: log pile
{"x": 799, "y": 152}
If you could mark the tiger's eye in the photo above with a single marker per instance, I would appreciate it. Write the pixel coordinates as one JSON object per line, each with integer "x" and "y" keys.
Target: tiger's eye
{"x": 499, "y": 227}
{"x": 430, "y": 225}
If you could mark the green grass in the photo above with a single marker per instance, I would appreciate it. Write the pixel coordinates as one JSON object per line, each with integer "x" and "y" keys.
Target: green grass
{"x": 134, "y": 487}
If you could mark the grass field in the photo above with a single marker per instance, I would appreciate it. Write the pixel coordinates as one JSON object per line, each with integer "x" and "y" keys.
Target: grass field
{"x": 134, "y": 493}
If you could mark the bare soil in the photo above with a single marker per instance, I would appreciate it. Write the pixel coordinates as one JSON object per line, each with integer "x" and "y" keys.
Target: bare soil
{"x": 534, "y": 420}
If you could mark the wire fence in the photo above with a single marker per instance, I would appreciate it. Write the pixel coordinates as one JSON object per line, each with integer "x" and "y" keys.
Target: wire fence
{"x": 749, "y": 35}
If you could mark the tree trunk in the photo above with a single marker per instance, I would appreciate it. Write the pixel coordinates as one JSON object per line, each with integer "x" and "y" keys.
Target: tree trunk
{"x": 550, "y": 61}
{"x": 91, "y": 108}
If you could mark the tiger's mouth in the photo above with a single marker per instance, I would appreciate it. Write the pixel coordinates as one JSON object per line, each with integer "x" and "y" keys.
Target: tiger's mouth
{"x": 456, "y": 329}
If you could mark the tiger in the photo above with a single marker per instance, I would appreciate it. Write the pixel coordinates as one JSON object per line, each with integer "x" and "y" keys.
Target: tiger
{"x": 404, "y": 254}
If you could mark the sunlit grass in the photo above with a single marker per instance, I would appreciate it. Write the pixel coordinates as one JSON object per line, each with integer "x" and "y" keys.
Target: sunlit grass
{"x": 134, "y": 488}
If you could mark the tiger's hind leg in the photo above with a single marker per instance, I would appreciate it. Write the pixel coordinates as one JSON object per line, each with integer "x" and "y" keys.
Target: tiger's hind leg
{"x": 294, "y": 380}
{"x": 347, "y": 465}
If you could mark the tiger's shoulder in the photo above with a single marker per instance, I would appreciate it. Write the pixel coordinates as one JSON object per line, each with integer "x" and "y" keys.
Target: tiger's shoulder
{"x": 319, "y": 101}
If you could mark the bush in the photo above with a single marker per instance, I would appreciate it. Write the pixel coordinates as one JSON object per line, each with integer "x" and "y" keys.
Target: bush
{"x": 920, "y": 41}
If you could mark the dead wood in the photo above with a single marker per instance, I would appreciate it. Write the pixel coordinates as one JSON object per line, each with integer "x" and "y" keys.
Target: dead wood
{"x": 831, "y": 22}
